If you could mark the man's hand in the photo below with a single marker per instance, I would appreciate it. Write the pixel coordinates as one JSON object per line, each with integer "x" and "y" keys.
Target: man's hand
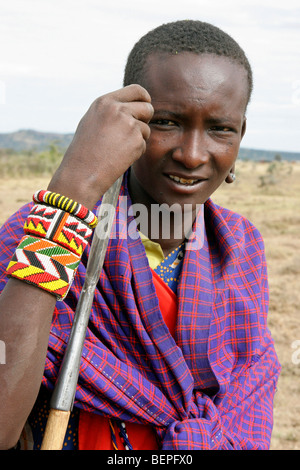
{"x": 109, "y": 138}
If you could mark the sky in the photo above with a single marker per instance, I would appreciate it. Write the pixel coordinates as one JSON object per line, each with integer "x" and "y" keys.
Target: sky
{"x": 58, "y": 56}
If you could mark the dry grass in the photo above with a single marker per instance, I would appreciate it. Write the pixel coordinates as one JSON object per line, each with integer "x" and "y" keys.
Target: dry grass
{"x": 273, "y": 208}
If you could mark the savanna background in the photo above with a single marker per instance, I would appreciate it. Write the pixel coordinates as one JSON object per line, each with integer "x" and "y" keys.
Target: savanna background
{"x": 268, "y": 193}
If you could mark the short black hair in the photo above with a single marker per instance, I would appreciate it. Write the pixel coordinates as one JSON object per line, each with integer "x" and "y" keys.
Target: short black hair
{"x": 184, "y": 36}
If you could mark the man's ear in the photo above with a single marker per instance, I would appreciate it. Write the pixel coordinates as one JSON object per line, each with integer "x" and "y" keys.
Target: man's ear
{"x": 230, "y": 178}
{"x": 244, "y": 127}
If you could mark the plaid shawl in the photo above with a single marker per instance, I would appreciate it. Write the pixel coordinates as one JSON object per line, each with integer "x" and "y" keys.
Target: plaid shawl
{"x": 209, "y": 387}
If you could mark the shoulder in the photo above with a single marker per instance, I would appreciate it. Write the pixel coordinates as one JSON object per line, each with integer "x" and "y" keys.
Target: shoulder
{"x": 235, "y": 243}
{"x": 226, "y": 222}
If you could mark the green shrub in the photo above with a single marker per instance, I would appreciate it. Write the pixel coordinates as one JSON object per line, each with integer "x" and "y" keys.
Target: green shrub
{"x": 29, "y": 163}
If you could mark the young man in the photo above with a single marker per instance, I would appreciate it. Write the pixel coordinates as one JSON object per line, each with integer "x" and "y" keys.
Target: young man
{"x": 177, "y": 353}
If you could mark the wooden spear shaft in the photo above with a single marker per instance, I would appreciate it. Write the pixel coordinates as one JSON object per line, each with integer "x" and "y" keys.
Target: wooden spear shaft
{"x": 65, "y": 388}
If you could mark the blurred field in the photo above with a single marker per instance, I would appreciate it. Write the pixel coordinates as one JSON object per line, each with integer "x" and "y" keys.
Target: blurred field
{"x": 268, "y": 194}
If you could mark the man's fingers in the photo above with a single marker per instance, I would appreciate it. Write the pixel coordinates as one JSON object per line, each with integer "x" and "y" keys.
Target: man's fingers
{"x": 133, "y": 100}
{"x": 140, "y": 110}
{"x": 131, "y": 93}
{"x": 137, "y": 100}
{"x": 145, "y": 130}
{"x": 134, "y": 93}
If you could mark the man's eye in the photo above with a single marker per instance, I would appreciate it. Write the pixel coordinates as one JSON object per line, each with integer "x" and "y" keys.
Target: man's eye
{"x": 222, "y": 129}
{"x": 163, "y": 122}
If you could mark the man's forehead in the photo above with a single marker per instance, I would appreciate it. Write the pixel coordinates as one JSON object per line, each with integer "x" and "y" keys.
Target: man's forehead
{"x": 193, "y": 66}
{"x": 190, "y": 76}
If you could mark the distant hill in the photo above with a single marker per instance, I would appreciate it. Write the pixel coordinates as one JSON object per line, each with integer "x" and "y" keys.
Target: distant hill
{"x": 27, "y": 139}
{"x": 266, "y": 155}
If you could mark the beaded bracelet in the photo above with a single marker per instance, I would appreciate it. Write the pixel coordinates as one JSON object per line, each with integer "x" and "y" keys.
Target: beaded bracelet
{"x": 66, "y": 204}
{"x": 43, "y": 263}
{"x": 59, "y": 226}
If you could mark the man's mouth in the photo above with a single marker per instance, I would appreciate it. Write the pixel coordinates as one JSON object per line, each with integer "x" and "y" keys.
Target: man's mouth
{"x": 184, "y": 181}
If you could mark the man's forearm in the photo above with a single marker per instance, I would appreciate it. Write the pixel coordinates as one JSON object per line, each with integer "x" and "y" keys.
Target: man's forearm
{"x": 25, "y": 320}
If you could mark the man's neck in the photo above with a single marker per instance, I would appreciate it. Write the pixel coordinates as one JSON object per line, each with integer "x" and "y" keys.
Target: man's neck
{"x": 163, "y": 226}
{"x": 167, "y": 227}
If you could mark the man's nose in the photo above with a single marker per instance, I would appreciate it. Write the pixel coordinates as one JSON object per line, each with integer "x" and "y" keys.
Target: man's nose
{"x": 191, "y": 150}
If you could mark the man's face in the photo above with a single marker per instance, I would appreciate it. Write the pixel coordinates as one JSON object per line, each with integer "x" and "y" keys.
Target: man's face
{"x": 199, "y": 104}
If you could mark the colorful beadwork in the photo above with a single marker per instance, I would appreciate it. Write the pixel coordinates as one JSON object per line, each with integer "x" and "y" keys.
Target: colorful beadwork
{"x": 170, "y": 268}
{"x": 59, "y": 226}
{"x": 45, "y": 264}
{"x": 122, "y": 433}
{"x": 66, "y": 204}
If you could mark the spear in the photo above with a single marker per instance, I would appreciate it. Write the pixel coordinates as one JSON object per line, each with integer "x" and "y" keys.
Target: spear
{"x": 62, "y": 399}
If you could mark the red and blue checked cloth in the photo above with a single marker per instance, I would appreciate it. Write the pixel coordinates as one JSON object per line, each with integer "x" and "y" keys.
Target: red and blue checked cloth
{"x": 210, "y": 387}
